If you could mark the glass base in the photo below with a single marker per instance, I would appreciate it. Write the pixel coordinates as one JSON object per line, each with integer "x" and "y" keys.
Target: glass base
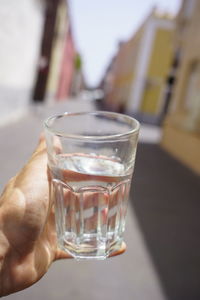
{"x": 86, "y": 251}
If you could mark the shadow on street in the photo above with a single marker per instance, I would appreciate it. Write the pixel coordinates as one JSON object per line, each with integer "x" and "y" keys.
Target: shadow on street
{"x": 167, "y": 205}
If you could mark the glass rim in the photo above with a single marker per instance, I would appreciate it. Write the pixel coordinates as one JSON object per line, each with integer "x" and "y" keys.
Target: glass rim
{"x": 91, "y": 137}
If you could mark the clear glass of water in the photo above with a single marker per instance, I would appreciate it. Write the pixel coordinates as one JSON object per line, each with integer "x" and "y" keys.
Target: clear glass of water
{"x": 91, "y": 158}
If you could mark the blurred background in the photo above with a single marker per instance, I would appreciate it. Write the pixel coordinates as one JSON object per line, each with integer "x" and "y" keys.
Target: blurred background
{"x": 141, "y": 58}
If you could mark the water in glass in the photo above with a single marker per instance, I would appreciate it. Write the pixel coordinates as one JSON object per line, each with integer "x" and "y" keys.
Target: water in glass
{"x": 90, "y": 194}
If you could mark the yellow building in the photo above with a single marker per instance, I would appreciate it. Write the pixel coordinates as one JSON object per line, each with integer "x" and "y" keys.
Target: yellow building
{"x": 181, "y": 135}
{"x": 121, "y": 73}
{"x": 141, "y": 68}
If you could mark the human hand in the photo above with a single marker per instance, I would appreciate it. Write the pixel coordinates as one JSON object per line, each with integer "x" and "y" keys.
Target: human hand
{"x": 28, "y": 243}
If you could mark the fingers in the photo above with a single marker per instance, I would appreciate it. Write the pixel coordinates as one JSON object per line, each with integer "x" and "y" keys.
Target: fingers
{"x": 119, "y": 251}
{"x": 60, "y": 254}
{"x": 41, "y": 137}
{"x": 41, "y": 142}
{"x": 41, "y": 147}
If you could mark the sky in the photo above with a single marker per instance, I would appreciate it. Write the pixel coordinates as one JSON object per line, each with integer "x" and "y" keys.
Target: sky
{"x": 99, "y": 25}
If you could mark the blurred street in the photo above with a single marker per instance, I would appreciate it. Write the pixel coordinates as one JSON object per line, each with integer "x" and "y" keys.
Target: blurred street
{"x": 141, "y": 58}
{"x": 162, "y": 260}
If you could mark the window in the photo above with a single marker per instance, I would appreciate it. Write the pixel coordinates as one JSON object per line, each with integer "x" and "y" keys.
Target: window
{"x": 193, "y": 85}
{"x": 192, "y": 97}
{"x": 188, "y": 8}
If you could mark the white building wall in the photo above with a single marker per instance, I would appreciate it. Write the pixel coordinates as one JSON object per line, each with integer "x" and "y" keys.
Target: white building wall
{"x": 21, "y": 24}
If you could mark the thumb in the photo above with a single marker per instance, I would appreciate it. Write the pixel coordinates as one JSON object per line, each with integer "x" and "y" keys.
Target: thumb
{"x": 38, "y": 159}
{"x": 56, "y": 142}
{"x": 41, "y": 144}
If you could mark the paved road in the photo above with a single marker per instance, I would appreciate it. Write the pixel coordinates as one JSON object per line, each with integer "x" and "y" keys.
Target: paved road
{"x": 163, "y": 227}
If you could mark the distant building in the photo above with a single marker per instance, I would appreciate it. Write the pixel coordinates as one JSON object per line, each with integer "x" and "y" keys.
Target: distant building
{"x": 67, "y": 68}
{"x": 181, "y": 135}
{"x": 62, "y": 57}
{"x": 106, "y": 85}
{"x": 140, "y": 69}
{"x": 56, "y": 61}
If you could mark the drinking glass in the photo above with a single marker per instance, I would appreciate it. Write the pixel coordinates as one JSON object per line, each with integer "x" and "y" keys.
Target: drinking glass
{"x": 91, "y": 157}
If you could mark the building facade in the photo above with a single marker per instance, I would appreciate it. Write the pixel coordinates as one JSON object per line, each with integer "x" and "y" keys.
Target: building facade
{"x": 141, "y": 68}
{"x": 20, "y": 38}
{"x": 67, "y": 69}
{"x": 181, "y": 131}
{"x": 59, "y": 35}
{"x": 57, "y": 54}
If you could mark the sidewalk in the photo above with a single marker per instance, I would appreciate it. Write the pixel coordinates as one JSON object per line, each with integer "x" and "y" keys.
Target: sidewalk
{"x": 162, "y": 261}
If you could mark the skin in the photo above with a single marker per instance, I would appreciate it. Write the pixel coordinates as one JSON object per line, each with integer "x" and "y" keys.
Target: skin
{"x": 27, "y": 230}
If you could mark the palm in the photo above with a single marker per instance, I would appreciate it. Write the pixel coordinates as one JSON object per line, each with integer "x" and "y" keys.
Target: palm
{"x": 28, "y": 226}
